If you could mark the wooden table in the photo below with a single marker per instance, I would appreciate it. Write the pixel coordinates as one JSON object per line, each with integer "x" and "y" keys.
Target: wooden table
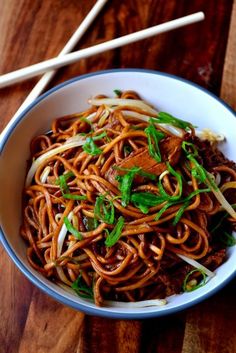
{"x": 31, "y": 31}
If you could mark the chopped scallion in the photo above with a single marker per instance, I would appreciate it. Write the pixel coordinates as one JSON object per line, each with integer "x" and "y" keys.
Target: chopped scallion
{"x": 227, "y": 239}
{"x": 104, "y": 210}
{"x": 71, "y": 229}
{"x": 118, "y": 92}
{"x": 82, "y": 289}
{"x": 154, "y": 137}
{"x": 115, "y": 234}
{"x": 189, "y": 288}
{"x": 180, "y": 212}
{"x": 162, "y": 191}
{"x": 166, "y": 118}
{"x": 139, "y": 171}
{"x": 74, "y": 197}
{"x": 90, "y": 147}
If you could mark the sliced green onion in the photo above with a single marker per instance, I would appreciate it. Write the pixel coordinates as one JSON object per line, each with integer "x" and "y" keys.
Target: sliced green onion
{"x": 104, "y": 210}
{"x": 127, "y": 150}
{"x": 137, "y": 170}
{"x": 154, "y": 137}
{"x": 125, "y": 184}
{"x": 202, "y": 283}
{"x": 71, "y": 229}
{"x": 134, "y": 127}
{"x": 166, "y": 118}
{"x": 172, "y": 203}
{"x": 100, "y": 136}
{"x": 144, "y": 174}
{"x": 95, "y": 223}
{"x": 62, "y": 181}
{"x": 144, "y": 209}
{"x": 162, "y": 210}
{"x": 162, "y": 191}
{"x": 180, "y": 212}
{"x": 115, "y": 234}
{"x": 227, "y": 239}
{"x": 118, "y": 92}
{"x": 82, "y": 289}
{"x": 146, "y": 199}
{"x": 201, "y": 173}
{"x": 74, "y": 197}
{"x": 218, "y": 224}
{"x": 85, "y": 120}
{"x": 90, "y": 147}
{"x": 198, "y": 171}
{"x": 190, "y": 148}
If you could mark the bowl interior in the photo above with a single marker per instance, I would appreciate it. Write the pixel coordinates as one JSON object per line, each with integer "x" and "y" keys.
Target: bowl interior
{"x": 166, "y": 93}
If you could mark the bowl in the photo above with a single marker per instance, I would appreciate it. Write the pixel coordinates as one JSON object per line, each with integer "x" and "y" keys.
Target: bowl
{"x": 168, "y": 93}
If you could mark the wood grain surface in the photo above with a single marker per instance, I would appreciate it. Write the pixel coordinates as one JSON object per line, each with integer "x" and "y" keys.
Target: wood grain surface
{"x": 205, "y": 53}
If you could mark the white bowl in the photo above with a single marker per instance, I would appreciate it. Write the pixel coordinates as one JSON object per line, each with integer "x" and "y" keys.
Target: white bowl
{"x": 168, "y": 93}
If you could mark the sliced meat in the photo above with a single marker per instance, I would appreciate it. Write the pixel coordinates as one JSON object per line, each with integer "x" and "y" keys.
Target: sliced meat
{"x": 170, "y": 150}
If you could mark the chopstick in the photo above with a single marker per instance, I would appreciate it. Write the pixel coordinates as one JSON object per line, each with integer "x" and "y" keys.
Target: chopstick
{"x": 55, "y": 63}
{"x": 46, "y": 78}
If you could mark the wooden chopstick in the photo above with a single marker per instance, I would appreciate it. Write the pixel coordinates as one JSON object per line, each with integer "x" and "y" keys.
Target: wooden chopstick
{"x": 55, "y": 63}
{"x": 77, "y": 35}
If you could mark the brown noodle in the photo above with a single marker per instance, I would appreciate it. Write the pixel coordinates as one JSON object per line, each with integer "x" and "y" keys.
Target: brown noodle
{"x": 142, "y": 264}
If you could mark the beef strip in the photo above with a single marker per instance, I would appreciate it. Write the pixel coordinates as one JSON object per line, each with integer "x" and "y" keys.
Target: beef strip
{"x": 170, "y": 149}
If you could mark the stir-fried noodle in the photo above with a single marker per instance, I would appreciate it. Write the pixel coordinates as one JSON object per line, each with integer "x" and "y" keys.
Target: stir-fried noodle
{"x": 124, "y": 203}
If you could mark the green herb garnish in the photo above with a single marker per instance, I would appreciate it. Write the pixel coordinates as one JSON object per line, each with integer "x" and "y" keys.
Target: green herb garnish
{"x": 127, "y": 150}
{"x": 154, "y": 137}
{"x": 227, "y": 239}
{"x": 139, "y": 171}
{"x": 85, "y": 120}
{"x": 146, "y": 199}
{"x": 162, "y": 191}
{"x": 190, "y": 148}
{"x": 125, "y": 184}
{"x": 183, "y": 207}
{"x": 163, "y": 209}
{"x": 72, "y": 229}
{"x": 74, "y": 197}
{"x": 165, "y": 118}
{"x": 126, "y": 180}
{"x": 180, "y": 212}
{"x": 104, "y": 210}
{"x": 62, "y": 182}
{"x": 188, "y": 288}
{"x": 90, "y": 147}
{"x": 198, "y": 171}
{"x": 115, "y": 234}
{"x": 82, "y": 289}
{"x": 118, "y": 92}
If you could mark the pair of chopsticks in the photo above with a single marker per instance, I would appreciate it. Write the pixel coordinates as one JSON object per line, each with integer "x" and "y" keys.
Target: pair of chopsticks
{"x": 65, "y": 57}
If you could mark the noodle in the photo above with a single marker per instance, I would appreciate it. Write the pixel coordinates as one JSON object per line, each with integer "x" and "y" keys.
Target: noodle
{"x": 120, "y": 201}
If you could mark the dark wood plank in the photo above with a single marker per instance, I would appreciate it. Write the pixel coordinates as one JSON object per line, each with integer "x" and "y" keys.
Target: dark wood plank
{"x": 15, "y": 298}
{"x": 114, "y": 336}
{"x": 50, "y": 327}
{"x": 210, "y": 326}
{"x": 228, "y": 86}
